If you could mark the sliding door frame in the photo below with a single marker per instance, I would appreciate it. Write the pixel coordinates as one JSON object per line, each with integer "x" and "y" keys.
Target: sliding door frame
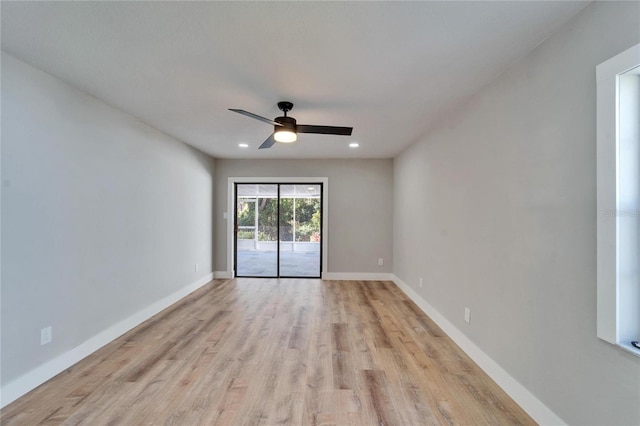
{"x": 231, "y": 213}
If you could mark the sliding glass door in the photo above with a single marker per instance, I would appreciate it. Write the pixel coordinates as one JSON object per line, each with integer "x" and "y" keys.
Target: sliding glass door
{"x": 278, "y": 230}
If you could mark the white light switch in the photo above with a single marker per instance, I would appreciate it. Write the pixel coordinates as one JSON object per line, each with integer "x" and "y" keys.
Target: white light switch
{"x": 45, "y": 335}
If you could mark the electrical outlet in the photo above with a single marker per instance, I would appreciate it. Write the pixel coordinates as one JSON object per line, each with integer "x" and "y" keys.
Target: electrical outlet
{"x": 46, "y": 336}
{"x": 420, "y": 282}
{"x": 381, "y": 261}
{"x": 467, "y": 315}
{"x": 196, "y": 267}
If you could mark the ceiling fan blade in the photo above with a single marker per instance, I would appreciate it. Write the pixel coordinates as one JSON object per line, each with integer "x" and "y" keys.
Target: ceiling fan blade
{"x": 268, "y": 143}
{"x": 256, "y": 116}
{"x": 324, "y": 130}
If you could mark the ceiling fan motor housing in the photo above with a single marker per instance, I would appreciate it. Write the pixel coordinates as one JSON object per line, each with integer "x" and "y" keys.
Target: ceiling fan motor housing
{"x": 288, "y": 123}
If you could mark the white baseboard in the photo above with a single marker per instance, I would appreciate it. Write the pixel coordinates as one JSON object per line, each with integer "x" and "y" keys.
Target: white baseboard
{"x": 357, "y": 276}
{"x": 529, "y": 403}
{"x": 222, "y": 274}
{"x": 34, "y": 378}
{"x": 342, "y": 276}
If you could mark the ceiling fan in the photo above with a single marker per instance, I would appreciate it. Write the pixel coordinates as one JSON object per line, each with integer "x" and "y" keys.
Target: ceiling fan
{"x": 286, "y": 130}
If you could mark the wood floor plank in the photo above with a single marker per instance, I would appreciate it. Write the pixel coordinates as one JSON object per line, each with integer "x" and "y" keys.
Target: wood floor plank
{"x": 276, "y": 351}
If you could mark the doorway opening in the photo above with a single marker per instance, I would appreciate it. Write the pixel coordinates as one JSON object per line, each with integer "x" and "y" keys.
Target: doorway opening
{"x": 278, "y": 230}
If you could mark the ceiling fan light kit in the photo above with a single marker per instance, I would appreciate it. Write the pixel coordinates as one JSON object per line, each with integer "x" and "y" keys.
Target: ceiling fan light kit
{"x": 285, "y": 129}
{"x": 285, "y": 136}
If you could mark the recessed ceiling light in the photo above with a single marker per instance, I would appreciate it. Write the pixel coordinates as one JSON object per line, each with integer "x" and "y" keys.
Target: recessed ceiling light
{"x": 243, "y": 145}
{"x": 354, "y": 145}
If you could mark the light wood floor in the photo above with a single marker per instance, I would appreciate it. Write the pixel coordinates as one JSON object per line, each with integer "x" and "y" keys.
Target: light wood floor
{"x": 251, "y": 351}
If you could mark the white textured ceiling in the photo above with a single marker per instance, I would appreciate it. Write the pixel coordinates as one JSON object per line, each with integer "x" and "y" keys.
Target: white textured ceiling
{"x": 389, "y": 69}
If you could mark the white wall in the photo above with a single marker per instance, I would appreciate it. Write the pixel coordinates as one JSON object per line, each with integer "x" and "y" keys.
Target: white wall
{"x": 504, "y": 192}
{"x": 360, "y": 210}
{"x": 101, "y": 217}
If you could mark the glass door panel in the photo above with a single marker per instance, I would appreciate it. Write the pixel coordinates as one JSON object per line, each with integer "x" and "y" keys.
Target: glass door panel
{"x": 300, "y": 221}
{"x": 256, "y": 230}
